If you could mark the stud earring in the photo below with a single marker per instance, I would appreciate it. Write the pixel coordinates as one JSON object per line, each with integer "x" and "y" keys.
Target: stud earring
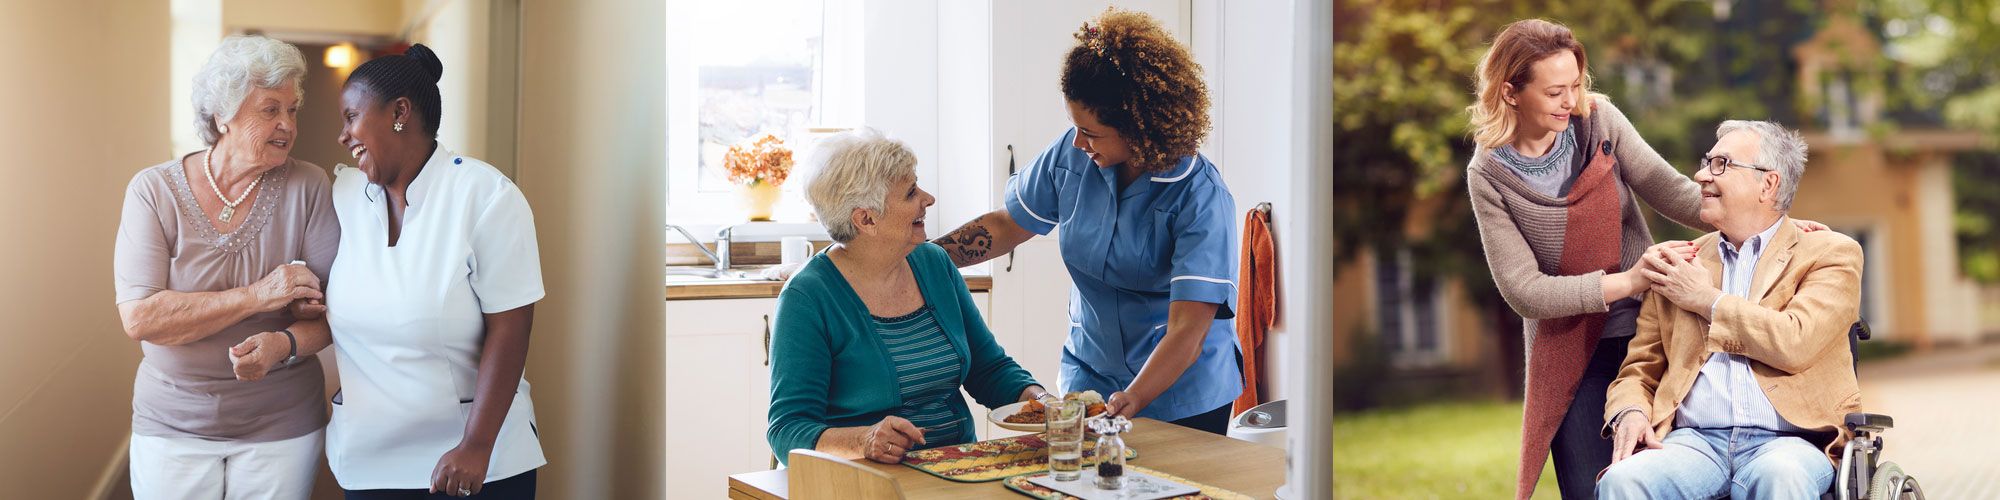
{"x": 399, "y": 126}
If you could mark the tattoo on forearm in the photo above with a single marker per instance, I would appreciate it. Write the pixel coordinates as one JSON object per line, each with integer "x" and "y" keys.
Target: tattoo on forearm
{"x": 969, "y": 243}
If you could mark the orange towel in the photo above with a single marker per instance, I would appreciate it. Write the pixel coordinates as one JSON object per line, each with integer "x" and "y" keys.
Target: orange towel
{"x": 1256, "y": 302}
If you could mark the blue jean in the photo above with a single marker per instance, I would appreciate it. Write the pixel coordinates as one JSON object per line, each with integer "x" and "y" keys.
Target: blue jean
{"x": 1738, "y": 462}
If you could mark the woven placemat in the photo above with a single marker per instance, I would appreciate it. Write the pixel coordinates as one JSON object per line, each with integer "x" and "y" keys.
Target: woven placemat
{"x": 993, "y": 459}
{"x": 1021, "y": 485}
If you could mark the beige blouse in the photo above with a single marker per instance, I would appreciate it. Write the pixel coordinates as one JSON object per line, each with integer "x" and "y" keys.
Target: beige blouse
{"x": 165, "y": 242}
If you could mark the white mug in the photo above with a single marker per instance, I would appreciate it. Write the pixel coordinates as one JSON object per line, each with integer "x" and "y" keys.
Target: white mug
{"x": 794, "y": 249}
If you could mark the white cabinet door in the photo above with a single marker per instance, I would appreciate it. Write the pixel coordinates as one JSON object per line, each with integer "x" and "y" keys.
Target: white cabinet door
{"x": 718, "y": 389}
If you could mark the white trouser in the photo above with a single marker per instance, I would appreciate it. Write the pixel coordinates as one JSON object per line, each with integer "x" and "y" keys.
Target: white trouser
{"x": 200, "y": 469}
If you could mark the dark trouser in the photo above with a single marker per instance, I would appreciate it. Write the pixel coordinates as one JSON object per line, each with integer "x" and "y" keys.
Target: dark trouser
{"x": 519, "y": 487}
{"x": 1580, "y": 450}
{"x": 1215, "y": 421}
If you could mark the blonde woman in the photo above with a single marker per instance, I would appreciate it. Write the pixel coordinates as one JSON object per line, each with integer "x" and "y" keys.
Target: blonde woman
{"x": 1555, "y": 180}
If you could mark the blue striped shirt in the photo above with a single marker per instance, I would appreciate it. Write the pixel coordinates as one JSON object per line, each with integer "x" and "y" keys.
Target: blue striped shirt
{"x": 927, "y": 369}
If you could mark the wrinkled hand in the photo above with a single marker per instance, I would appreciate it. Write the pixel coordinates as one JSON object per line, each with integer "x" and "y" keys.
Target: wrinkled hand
{"x": 1809, "y": 226}
{"x": 255, "y": 356}
{"x": 886, "y": 441}
{"x": 1683, "y": 281}
{"x": 1633, "y": 435}
{"x": 461, "y": 469}
{"x": 308, "y": 309}
{"x": 287, "y": 283}
{"x": 1684, "y": 250}
{"x": 1125, "y": 404}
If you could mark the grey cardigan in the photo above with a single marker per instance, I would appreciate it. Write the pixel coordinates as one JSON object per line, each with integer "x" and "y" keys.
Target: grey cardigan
{"x": 1522, "y": 229}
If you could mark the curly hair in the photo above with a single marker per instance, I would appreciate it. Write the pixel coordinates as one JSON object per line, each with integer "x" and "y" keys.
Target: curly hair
{"x": 1138, "y": 80}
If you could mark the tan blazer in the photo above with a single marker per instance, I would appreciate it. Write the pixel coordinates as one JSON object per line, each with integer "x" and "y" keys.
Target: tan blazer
{"x": 1808, "y": 290}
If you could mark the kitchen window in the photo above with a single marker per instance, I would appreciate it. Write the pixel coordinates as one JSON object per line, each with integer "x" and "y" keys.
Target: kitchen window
{"x": 785, "y": 67}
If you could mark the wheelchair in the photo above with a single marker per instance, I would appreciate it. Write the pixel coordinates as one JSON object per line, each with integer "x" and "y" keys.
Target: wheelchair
{"x": 1861, "y": 475}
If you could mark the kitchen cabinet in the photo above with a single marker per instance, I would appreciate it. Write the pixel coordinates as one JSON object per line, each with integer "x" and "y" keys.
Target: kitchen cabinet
{"x": 718, "y": 387}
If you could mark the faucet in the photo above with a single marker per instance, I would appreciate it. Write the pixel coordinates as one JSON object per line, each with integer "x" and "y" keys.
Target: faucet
{"x": 721, "y": 253}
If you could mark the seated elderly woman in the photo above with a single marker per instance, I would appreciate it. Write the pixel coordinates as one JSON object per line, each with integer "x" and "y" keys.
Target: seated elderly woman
{"x": 875, "y": 336}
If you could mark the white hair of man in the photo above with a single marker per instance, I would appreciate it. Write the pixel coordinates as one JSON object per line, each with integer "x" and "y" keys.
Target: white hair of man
{"x": 851, "y": 170}
{"x": 1778, "y": 148}
{"x": 240, "y": 62}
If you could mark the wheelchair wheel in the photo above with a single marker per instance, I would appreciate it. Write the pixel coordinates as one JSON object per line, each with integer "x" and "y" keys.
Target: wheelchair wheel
{"x": 1890, "y": 483}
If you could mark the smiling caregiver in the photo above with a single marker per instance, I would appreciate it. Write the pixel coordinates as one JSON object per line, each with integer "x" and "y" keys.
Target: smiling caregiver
{"x": 1148, "y": 234}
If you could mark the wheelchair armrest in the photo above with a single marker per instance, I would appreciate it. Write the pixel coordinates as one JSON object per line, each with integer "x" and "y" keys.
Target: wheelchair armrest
{"x": 1869, "y": 422}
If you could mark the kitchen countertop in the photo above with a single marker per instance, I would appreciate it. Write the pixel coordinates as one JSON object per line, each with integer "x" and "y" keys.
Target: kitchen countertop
{"x": 682, "y": 287}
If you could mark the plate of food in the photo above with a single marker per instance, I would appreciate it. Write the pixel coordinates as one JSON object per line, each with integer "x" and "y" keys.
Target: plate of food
{"x": 1029, "y": 416}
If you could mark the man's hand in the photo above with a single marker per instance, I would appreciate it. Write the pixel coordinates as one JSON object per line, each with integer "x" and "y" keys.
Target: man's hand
{"x": 1682, "y": 280}
{"x": 1633, "y": 434}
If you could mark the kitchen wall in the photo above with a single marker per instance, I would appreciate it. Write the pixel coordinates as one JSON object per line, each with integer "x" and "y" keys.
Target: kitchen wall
{"x": 591, "y": 114}
{"x": 1247, "y": 56}
{"x": 88, "y": 96}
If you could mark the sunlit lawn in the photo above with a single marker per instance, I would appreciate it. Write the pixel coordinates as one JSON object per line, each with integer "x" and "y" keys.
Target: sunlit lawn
{"x": 1439, "y": 450}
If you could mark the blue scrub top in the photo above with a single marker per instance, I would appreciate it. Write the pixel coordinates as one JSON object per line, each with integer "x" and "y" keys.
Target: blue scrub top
{"x": 1168, "y": 236}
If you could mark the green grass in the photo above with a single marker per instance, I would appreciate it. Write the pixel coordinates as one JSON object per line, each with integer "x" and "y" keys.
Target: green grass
{"x": 1439, "y": 450}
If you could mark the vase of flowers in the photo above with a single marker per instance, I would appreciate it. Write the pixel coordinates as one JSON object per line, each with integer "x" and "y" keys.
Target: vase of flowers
{"x": 758, "y": 166}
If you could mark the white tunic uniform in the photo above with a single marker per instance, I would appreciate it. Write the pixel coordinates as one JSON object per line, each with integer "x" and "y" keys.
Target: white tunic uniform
{"x": 407, "y": 321}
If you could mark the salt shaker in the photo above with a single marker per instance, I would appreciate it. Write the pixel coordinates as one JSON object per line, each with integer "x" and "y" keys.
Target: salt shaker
{"x": 1111, "y": 451}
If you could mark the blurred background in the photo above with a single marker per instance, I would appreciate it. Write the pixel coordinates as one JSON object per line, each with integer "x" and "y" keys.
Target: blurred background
{"x": 561, "y": 96}
{"x": 1901, "y": 108}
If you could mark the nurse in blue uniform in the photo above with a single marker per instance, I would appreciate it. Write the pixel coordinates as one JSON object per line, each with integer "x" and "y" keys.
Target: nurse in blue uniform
{"x": 1147, "y": 228}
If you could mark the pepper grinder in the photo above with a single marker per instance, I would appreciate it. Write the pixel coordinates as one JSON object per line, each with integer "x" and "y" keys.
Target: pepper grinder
{"x": 1111, "y": 451}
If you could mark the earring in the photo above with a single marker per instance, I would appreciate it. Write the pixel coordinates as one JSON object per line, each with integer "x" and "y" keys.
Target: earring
{"x": 399, "y": 126}
{"x": 223, "y": 128}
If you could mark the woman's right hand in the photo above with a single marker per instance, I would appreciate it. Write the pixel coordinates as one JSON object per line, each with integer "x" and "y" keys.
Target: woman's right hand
{"x": 287, "y": 283}
{"x": 886, "y": 441}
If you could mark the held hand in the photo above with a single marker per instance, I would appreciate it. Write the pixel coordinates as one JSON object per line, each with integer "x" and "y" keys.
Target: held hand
{"x": 1632, "y": 436}
{"x": 1125, "y": 404}
{"x": 462, "y": 471}
{"x": 886, "y": 441}
{"x": 308, "y": 309}
{"x": 1684, "y": 250}
{"x": 254, "y": 358}
{"x": 285, "y": 284}
{"x": 1683, "y": 281}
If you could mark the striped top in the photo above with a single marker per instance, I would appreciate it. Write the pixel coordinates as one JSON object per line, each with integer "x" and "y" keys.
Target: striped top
{"x": 927, "y": 371}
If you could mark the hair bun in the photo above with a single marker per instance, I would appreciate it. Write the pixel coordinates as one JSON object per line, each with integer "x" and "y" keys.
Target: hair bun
{"x": 427, "y": 59}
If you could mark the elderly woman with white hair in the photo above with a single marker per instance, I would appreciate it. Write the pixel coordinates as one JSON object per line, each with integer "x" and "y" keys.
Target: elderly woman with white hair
{"x": 875, "y": 336}
{"x": 218, "y": 264}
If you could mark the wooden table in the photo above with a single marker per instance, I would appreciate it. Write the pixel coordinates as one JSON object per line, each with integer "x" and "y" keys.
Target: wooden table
{"x": 1240, "y": 466}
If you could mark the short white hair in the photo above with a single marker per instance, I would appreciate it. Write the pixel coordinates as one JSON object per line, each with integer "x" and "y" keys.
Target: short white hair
{"x": 852, "y": 170}
{"x": 240, "y": 62}
{"x": 1778, "y": 148}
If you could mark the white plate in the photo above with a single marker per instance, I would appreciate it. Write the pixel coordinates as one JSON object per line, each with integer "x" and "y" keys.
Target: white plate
{"x": 999, "y": 417}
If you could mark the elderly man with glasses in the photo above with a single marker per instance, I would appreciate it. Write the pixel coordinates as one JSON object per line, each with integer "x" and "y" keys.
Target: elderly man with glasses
{"x": 1736, "y": 380}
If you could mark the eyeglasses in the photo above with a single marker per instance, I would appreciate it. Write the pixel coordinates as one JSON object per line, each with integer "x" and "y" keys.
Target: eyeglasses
{"x": 1718, "y": 165}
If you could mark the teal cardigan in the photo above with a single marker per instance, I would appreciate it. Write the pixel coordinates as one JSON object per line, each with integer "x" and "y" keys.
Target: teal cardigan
{"x": 830, "y": 369}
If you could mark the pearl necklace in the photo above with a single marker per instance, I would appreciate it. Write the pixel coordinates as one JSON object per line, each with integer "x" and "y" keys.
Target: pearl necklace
{"x": 228, "y": 206}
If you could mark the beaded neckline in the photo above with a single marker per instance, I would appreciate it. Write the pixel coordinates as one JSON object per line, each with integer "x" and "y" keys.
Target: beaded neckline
{"x": 1558, "y": 154}
{"x": 245, "y": 234}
